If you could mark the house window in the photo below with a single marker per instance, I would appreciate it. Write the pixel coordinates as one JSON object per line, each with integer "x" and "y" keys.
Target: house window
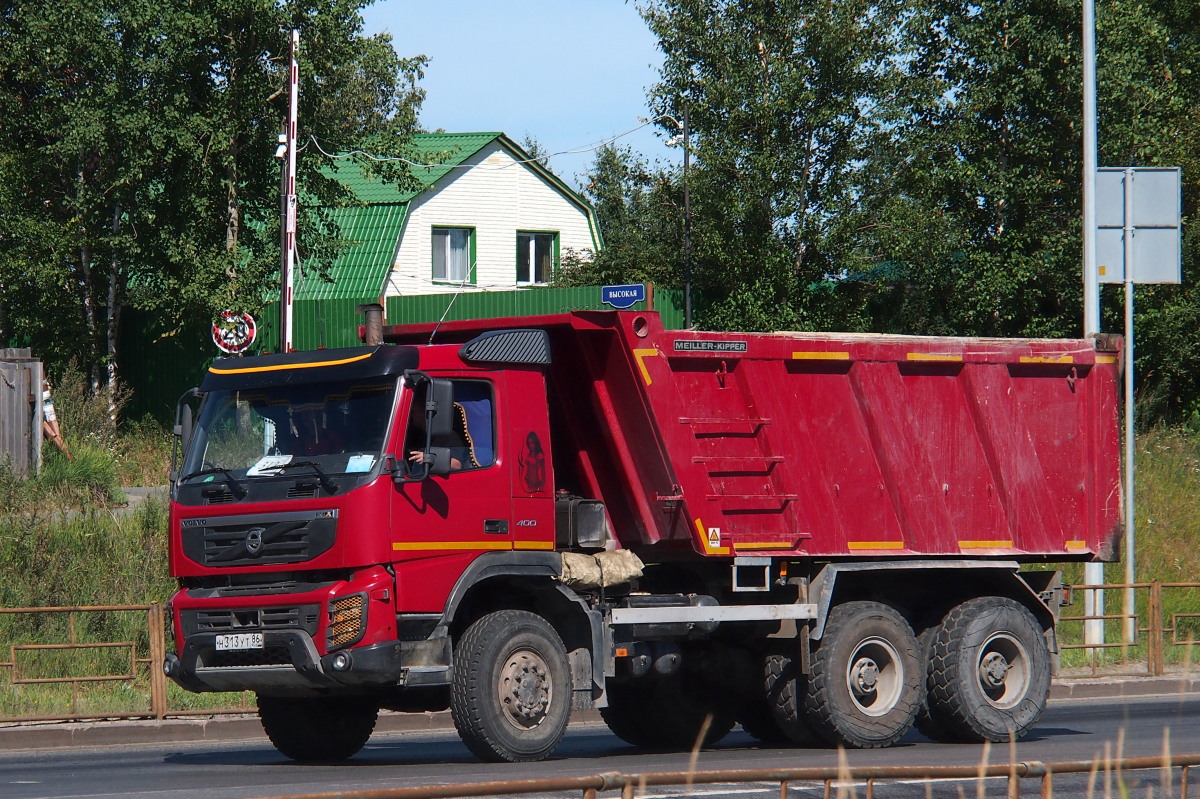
{"x": 536, "y": 256}
{"x": 452, "y": 254}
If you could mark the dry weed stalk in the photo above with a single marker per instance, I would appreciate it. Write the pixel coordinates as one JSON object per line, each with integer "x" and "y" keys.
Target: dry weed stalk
{"x": 984, "y": 759}
{"x": 695, "y": 757}
{"x": 1167, "y": 781}
{"x": 845, "y": 783}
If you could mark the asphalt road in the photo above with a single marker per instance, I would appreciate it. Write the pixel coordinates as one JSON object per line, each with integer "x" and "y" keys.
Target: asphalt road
{"x": 1070, "y": 730}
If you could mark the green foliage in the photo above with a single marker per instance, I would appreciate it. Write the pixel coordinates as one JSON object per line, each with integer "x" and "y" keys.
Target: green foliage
{"x": 775, "y": 93}
{"x": 90, "y": 478}
{"x": 906, "y": 168}
{"x": 86, "y": 558}
{"x": 640, "y": 213}
{"x": 87, "y": 417}
{"x": 143, "y": 453}
{"x": 107, "y": 453}
{"x": 136, "y": 159}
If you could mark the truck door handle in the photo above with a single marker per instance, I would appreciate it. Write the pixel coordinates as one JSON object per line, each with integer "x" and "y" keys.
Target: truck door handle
{"x": 495, "y": 526}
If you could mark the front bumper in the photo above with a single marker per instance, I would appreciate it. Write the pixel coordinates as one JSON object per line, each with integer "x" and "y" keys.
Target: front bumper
{"x": 287, "y": 661}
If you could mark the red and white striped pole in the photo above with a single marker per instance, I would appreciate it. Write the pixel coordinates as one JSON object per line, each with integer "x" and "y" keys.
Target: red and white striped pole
{"x": 288, "y": 267}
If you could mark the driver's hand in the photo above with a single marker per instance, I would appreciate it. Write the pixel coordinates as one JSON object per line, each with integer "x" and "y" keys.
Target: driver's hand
{"x": 416, "y": 456}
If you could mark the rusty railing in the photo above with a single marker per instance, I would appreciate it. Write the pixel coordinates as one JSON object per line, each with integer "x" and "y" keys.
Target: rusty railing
{"x": 74, "y": 659}
{"x": 834, "y": 781}
{"x": 1159, "y": 635}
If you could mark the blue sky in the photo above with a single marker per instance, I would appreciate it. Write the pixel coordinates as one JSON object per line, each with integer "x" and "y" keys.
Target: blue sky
{"x": 570, "y": 73}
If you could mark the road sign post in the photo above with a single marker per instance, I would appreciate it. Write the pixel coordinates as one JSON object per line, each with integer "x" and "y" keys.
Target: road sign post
{"x": 1138, "y": 214}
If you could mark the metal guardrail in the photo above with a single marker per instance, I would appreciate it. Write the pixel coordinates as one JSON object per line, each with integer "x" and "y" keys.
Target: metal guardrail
{"x": 838, "y": 780}
{"x": 21, "y": 667}
{"x": 1158, "y": 633}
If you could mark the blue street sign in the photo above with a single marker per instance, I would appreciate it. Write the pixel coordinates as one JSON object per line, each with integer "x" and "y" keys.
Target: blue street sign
{"x": 623, "y": 296}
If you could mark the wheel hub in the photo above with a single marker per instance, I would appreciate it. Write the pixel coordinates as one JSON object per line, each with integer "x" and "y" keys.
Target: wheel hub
{"x": 525, "y": 689}
{"x": 875, "y": 676}
{"x": 1003, "y": 670}
{"x": 993, "y": 668}
{"x": 864, "y": 676}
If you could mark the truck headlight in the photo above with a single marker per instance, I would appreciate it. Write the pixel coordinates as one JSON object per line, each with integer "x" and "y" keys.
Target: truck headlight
{"x": 347, "y": 620}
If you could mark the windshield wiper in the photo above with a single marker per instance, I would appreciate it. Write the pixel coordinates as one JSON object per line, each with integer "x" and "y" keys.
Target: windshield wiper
{"x": 322, "y": 477}
{"x": 238, "y": 489}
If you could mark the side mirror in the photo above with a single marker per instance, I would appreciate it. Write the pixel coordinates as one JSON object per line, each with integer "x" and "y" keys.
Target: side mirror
{"x": 437, "y": 463}
{"x": 185, "y": 428}
{"x": 440, "y": 400}
{"x": 182, "y": 430}
{"x": 439, "y": 460}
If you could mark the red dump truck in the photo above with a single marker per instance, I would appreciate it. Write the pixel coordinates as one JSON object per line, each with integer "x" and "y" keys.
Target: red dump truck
{"x": 821, "y": 537}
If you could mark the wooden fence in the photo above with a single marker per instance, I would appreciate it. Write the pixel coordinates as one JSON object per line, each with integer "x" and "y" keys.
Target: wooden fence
{"x": 20, "y": 411}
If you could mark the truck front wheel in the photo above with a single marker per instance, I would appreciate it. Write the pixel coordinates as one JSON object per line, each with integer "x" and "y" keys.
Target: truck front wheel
{"x": 864, "y": 689}
{"x": 511, "y": 695}
{"x": 988, "y": 671}
{"x": 317, "y": 728}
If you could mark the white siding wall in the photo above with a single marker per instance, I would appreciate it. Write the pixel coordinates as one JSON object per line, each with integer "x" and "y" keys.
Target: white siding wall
{"x": 497, "y": 196}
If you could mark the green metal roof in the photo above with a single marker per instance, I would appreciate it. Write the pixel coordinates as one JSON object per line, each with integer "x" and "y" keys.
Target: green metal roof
{"x": 375, "y": 227}
{"x": 442, "y": 152}
{"x": 360, "y": 270}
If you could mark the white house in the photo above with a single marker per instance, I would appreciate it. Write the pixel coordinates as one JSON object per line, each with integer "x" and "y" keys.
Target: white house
{"x": 488, "y": 217}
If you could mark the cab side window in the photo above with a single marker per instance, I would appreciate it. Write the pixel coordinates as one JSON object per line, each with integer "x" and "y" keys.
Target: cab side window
{"x": 475, "y": 421}
{"x": 472, "y": 441}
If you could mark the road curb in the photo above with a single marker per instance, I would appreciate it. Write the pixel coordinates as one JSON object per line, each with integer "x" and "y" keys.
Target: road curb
{"x": 1118, "y": 687}
{"x": 91, "y": 734}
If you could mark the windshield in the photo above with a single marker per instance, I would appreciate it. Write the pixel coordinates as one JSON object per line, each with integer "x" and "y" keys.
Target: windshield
{"x": 338, "y": 428}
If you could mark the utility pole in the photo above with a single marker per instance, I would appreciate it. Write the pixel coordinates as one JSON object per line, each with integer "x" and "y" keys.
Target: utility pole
{"x": 687, "y": 223}
{"x": 288, "y": 228}
{"x": 1093, "y": 573}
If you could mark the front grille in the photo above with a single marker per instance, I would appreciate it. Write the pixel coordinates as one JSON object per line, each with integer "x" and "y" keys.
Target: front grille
{"x": 302, "y": 617}
{"x": 270, "y": 656}
{"x": 302, "y": 491}
{"x": 347, "y": 620}
{"x": 259, "y": 584}
{"x": 258, "y": 590}
{"x": 259, "y": 540}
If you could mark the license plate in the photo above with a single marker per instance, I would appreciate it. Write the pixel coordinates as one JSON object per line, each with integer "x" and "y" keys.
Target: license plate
{"x": 239, "y": 641}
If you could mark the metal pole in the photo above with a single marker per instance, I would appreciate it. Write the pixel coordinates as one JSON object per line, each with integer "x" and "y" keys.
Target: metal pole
{"x": 289, "y": 227}
{"x": 1093, "y": 573}
{"x": 1130, "y": 603}
{"x": 687, "y": 224}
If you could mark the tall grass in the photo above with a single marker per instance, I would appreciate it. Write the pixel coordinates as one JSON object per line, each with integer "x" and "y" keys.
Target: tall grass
{"x": 66, "y": 540}
{"x": 63, "y": 542}
{"x": 1166, "y": 529}
{"x": 94, "y": 556}
{"x": 129, "y": 452}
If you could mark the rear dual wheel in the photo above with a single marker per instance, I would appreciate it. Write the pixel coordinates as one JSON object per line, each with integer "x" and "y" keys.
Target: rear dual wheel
{"x": 988, "y": 672}
{"x": 865, "y": 684}
{"x": 785, "y": 688}
{"x": 668, "y": 711}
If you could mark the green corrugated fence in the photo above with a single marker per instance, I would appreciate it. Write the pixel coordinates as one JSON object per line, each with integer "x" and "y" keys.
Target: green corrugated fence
{"x": 159, "y": 364}
{"x": 334, "y": 323}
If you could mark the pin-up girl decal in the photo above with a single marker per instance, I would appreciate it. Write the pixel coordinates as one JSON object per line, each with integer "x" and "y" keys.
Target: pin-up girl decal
{"x": 532, "y": 461}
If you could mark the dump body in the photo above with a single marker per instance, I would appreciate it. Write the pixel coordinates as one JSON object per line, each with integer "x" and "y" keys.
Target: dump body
{"x": 831, "y": 445}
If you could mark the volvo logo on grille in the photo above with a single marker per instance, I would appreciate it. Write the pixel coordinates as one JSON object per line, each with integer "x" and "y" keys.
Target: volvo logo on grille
{"x": 254, "y": 540}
